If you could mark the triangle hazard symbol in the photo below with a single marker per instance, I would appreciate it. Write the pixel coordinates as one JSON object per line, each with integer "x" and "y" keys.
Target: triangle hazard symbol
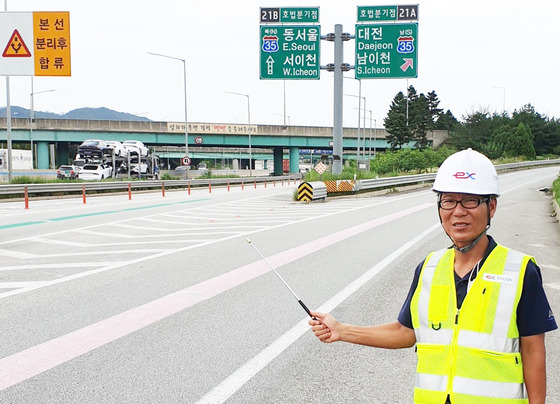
{"x": 16, "y": 48}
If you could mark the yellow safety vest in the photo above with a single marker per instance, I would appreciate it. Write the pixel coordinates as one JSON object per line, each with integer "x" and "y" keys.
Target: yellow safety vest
{"x": 471, "y": 354}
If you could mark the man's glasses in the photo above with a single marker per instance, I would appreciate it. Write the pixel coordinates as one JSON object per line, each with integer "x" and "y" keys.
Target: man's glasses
{"x": 467, "y": 203}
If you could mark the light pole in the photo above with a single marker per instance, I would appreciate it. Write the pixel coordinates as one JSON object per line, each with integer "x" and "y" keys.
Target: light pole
{"x": 185, "y": 92}
{"x": 32, "y": 118}
{"x": 370, "y": 119}
{"x": 248, "y": 129}
{"x": 374, "y": 138}
{"x": 8, "y": 119}
{"x": 285, "y": 116}
{"x": 359, "y": 119}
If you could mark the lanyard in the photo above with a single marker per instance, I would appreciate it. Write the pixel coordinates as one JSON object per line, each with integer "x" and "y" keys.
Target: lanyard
{"x": 473, "y": 274}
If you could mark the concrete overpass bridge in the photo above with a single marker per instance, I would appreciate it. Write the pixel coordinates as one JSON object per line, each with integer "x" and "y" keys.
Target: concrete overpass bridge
{"x": 55, "y": 140}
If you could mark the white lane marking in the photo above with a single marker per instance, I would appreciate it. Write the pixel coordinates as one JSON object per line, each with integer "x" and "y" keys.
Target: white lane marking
{"x": 16, "y": 254}
{"x": 23, "y": 365}
{"x": 116, "y": 252}
{"x": 60, "y": 242}
{"x": 137, "y": 236}
{"x": 201, "y": 243}
{"x": 58, "y": 265}
{"x": 17, "y": 285}
{"x": 551, "y": 266}
{"x": 245, "y": 373}
{"x": 525, "y": 184}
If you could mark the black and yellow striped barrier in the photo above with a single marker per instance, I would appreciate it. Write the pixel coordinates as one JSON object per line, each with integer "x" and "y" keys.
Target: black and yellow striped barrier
{"x": 311, "y": 191}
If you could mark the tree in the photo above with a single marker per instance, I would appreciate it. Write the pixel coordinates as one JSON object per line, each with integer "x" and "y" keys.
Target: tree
{"x": 543, "y": 137}
{"x": 420, "y": 120}
{"x": 435, "y": 112}
{"x": 514, "y": 141}
{"x": 396, "y": 123}
{"x": 447, "y": 122}
{"x": 475, "y": 132}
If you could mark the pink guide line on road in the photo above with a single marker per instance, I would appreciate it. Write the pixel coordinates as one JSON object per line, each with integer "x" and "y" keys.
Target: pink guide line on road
{"x": 31, "y": 362}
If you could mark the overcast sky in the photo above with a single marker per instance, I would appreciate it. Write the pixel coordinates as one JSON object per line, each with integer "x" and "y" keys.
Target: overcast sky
{"x": 471, "y": 53}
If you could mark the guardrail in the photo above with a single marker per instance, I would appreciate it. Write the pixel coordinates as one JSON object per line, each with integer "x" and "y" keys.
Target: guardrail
{"x": 79, "y": 187}
{"x": 312, "y": 191}
{"x": 420, "y": 178}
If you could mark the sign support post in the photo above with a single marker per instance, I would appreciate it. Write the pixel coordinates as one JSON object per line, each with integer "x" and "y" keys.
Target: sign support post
{"x": 338, "y": 93}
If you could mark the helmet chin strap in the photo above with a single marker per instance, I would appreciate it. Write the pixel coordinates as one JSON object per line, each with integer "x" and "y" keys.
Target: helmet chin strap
{"x": 469, "y": 247}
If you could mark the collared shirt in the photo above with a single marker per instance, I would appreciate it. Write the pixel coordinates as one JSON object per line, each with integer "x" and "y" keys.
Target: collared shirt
{"x": 534, "y": 315}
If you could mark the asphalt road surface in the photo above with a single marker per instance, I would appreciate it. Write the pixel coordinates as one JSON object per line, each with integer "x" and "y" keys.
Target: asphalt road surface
{"x": 161, "y": 299}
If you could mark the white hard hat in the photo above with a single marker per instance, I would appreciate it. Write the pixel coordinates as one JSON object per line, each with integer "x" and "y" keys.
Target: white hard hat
{"x": 467, "y": 172}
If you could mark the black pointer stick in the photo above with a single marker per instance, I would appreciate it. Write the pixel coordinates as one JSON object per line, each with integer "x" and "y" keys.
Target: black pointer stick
{"x": 283, "y": 281}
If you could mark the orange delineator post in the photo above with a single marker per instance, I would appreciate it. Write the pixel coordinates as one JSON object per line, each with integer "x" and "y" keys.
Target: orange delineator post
{"x": 255, "y": 184}
{"x": 228, "y": 186}
{"x": 189, "y": 187}
{"x": 209, "y": 187}
{"x": 129, "y": 192}
{"x": 26, "y": 199}
{"x": 162, "y": 189}
{"x": 242, "y": 187}
{"x": 84, "y": 193}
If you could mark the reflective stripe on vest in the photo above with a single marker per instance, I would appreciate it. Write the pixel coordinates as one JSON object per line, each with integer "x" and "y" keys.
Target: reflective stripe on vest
{"x": 472, "y": 353}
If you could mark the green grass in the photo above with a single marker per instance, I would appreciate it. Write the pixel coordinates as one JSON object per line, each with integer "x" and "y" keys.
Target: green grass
{"x": 556, "y": 189}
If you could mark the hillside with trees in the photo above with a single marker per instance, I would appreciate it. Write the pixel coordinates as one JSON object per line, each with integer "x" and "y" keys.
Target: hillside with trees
{"x": 525, "y": 134}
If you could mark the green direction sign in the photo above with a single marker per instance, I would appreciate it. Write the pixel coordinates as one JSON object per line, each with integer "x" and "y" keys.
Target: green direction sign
{"x": 386, "y": 51}
{"x": 290, "y": 14}
{"x": 290, "y": 52}
{"x": 388, "y": 13}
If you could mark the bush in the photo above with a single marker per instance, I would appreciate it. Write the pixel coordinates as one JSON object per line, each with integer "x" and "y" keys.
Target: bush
{"x": 24, "y": 179}
{"x": 556, "y": 190}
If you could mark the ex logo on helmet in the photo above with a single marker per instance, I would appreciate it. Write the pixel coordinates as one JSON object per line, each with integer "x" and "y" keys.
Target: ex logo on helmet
{"x": 460, "y": 175}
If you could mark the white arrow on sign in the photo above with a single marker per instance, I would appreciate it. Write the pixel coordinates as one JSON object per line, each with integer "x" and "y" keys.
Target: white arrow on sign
{"x": 270, "y": 64}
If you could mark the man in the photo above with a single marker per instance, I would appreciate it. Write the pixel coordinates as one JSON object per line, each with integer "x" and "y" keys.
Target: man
{"x": 476, "y": 311}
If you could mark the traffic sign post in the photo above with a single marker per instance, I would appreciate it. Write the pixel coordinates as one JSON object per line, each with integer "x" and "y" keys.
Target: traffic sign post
{"x": 290, "y": 52}
{"x": 386, "y": 51}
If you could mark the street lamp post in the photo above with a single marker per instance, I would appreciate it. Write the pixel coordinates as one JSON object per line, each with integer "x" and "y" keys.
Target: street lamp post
{"x": 32, "y": 118}
{"x": 359, "y": 119}
{"x": 248, "y": 128}
{"x": 374, "y": 138}
{"x": 370, "y": 119}
{"x": 286, "y": 122}
{"x": 185, "y": 93}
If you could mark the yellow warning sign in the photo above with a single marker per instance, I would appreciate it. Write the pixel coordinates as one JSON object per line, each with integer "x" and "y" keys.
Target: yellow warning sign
{"x": 16, "y": 48}
{"x": 52, "y": 43}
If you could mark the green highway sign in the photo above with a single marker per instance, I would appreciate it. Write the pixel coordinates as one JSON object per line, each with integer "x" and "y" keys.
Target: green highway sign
{"x": 386, "y": 51}
{"x": 290, "y": 52}
{"x": 388, "y": 13}
{"x": 290, "y": 15}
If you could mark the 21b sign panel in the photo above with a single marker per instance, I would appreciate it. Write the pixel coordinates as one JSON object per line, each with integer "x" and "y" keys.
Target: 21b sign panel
{"x": 290, "y": 52}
